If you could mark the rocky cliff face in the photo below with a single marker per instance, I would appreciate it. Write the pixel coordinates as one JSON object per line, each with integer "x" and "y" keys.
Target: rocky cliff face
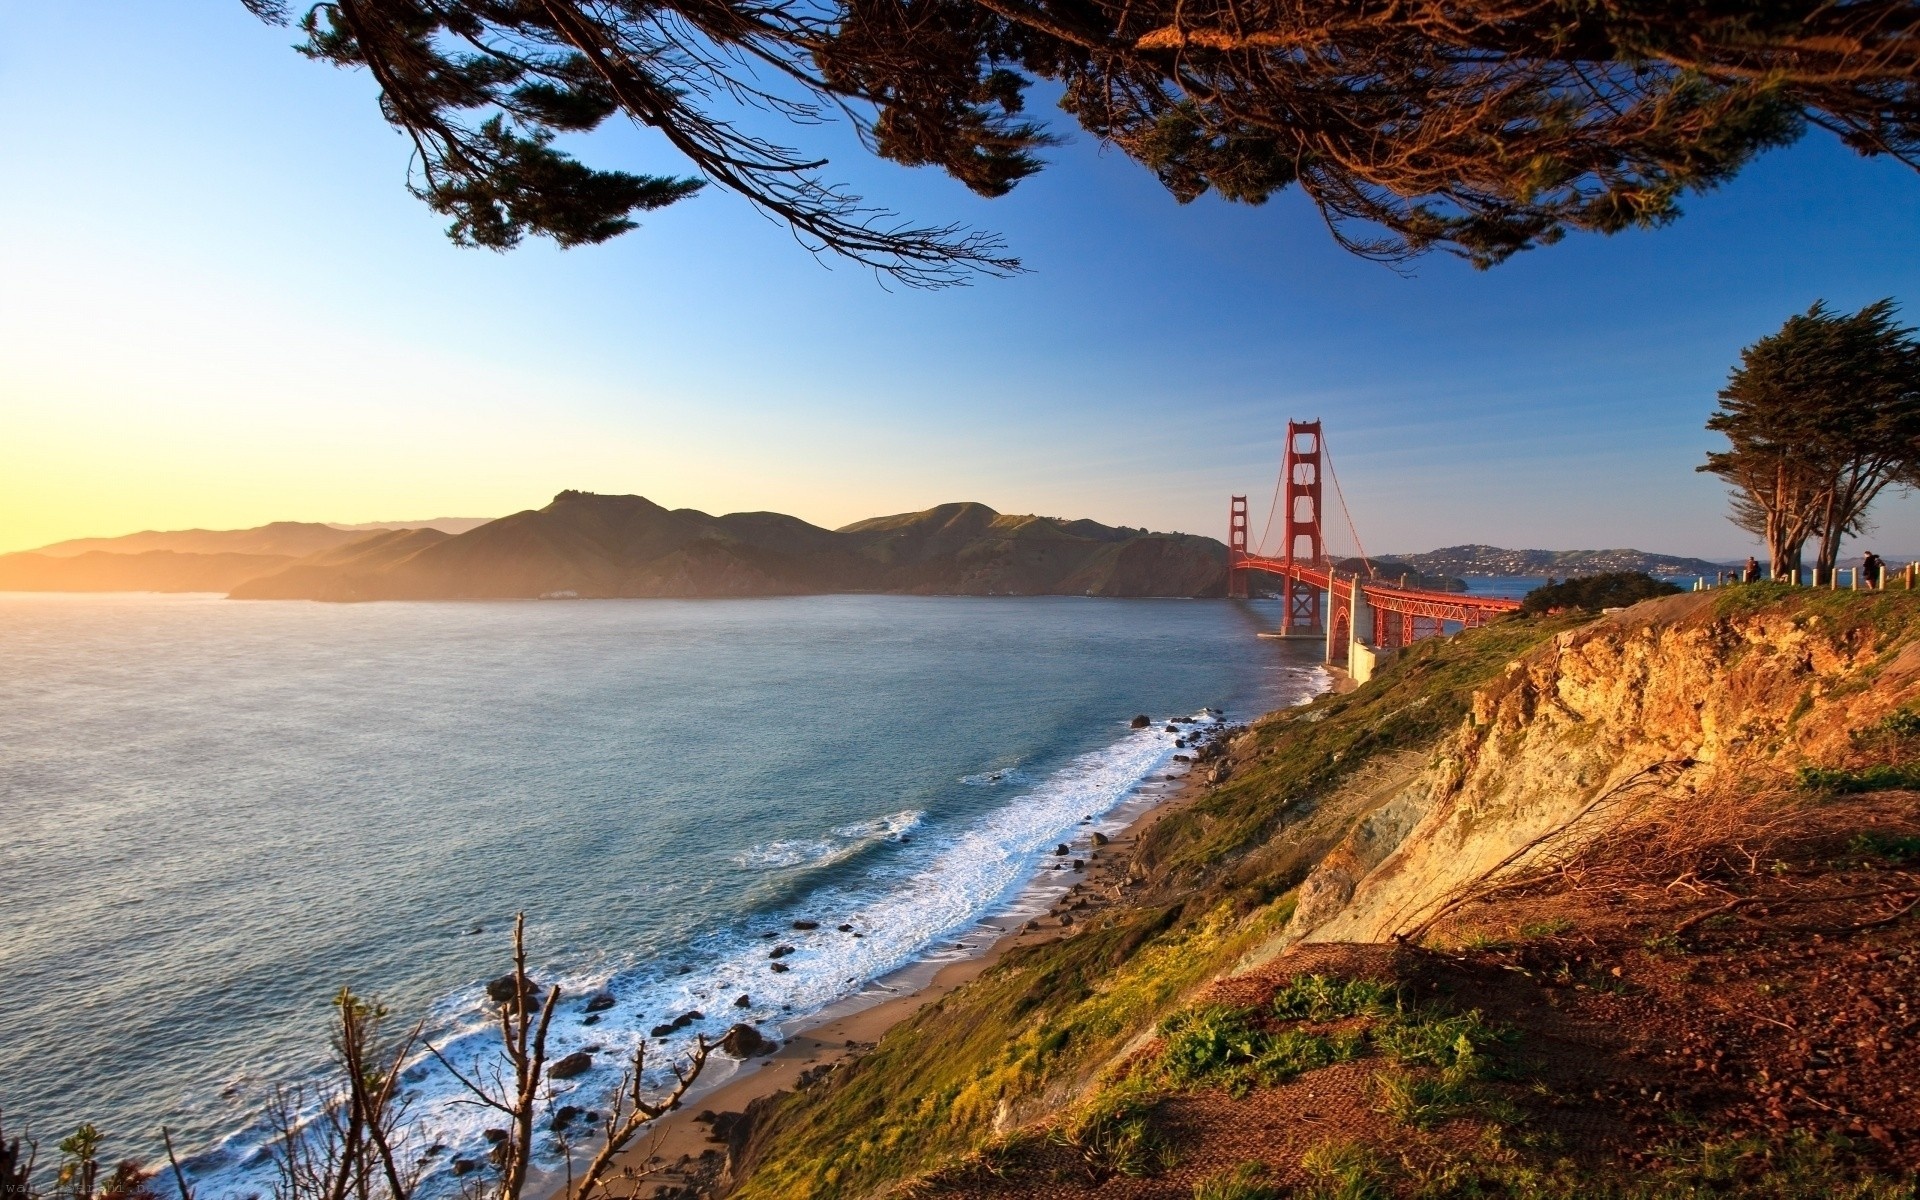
{"x": 1673, "y": 696}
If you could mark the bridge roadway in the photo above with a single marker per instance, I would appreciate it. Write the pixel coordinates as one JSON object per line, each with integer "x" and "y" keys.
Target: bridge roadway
{"x": 1396, "y": 613}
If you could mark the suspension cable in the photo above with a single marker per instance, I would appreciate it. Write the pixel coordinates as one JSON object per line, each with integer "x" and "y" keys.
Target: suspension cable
{"x": 1280, "y": 481}
{"x": 1342, "y": 496}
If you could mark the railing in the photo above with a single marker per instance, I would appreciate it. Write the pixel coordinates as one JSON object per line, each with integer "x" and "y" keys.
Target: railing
{"x": 1458, "y": 607}
{"x": 1887, "y": 578}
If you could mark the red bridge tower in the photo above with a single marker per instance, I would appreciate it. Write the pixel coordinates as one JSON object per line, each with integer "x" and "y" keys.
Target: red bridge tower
{"x": 1301, "y": 494}
{"x": 1237, "y": 549}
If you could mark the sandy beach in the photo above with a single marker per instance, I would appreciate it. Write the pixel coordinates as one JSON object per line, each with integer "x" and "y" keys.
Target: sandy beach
{"x": 681, "y": 1148}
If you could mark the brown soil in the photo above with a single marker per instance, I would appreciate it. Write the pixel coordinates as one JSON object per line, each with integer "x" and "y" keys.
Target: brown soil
{"x": 1765, "y": 1002}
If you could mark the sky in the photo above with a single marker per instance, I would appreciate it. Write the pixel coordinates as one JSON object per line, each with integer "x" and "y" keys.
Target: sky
{"x": 220, "y": 307}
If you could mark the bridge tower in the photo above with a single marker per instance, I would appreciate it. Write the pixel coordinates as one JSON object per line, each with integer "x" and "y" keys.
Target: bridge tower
{"x": 1236, "y": 547}
{"x": 1301, "y": 494}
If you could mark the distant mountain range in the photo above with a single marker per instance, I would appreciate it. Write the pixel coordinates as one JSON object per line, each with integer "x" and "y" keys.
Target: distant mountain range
{"x": 1493, "y": 560}
{"x": 586, "y": 545}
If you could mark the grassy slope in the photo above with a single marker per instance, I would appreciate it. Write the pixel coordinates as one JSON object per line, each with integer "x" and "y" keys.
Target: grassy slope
{"x": 1044, "y": 1020}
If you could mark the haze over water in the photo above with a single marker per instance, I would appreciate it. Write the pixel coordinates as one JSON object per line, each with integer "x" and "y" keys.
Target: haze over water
{"x": 220, "y": 812}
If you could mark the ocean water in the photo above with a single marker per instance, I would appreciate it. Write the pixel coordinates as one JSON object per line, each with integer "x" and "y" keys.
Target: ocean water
{"x": 218, "y": 813}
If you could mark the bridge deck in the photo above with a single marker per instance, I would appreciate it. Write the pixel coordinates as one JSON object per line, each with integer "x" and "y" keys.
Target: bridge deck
{"x": 1414, "y": 602}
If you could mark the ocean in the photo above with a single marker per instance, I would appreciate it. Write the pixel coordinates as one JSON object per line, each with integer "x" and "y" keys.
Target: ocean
{"x": 218, "y": 813}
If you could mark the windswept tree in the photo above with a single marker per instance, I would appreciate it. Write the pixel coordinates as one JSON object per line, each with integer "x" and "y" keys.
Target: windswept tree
{"x": 354, "y": 1136}
{"x": 1483, "y": 127}
{"x": 1819, "y": 418}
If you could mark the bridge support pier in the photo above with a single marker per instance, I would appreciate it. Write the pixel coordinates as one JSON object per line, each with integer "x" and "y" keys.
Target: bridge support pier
{"x": 1350, "y": 619}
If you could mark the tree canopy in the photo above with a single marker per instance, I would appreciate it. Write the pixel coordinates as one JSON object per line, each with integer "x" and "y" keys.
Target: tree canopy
{"x": 1819, "y": 418}
{"x": 1616, "y": 589}
{"x": 1482, "y": 127}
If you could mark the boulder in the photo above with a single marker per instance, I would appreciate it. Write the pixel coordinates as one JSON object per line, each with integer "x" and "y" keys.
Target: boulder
{"x": 601, "y": 1002}
{"x": 565, "y": 1117}
{"x": 1060, "y": 851}
{"x": 743, "y": 1001}
{"x": 781, "y": 951}
{"x": 744, "y": 1041}
{"x": 806, "y": 924}
{"x": 661, "y": 1031}
{"x": 1100, "y": 839}
{"x": 577, "y": 1063}
{"x": 591, "y": 1019}
{"x": 780, "y": 968}
{"x": 844, "y": 928}
{"x": 500, "y": 990}
{"x": 494, "y": 1136}
{"x": 1141, "y": 721}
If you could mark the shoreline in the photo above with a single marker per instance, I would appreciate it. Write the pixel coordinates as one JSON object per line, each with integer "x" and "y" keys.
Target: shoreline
{"x": 681, "y": 1149}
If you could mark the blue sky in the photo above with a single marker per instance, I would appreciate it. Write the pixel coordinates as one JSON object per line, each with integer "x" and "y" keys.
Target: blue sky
{"x": 218, "y": 306}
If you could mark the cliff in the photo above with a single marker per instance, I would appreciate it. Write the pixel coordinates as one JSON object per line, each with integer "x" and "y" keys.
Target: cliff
{"x": 1559, "y": 907}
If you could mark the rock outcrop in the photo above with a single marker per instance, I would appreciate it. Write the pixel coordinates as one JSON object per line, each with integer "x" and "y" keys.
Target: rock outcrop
{"x": 1671, "y": 695}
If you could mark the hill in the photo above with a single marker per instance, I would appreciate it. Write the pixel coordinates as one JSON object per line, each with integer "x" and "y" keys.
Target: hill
{"x": 286, "y": 539}
{"x": 586, "y": 545}
{"x": 1559, "y": 907}
{"x": 1493, "y": 560}
{"x": 147, "y": 571}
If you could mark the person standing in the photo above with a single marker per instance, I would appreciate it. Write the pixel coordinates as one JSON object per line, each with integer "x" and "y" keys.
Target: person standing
{"x": 1751, "y": 571}
{"x": 1872, "y": 570}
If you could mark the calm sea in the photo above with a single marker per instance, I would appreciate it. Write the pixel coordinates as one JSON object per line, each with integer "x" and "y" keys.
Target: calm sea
{"x": 217, "y": 813}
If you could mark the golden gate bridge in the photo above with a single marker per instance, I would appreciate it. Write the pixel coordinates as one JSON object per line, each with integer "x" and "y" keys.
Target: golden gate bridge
{"x": 1361, "y": 616}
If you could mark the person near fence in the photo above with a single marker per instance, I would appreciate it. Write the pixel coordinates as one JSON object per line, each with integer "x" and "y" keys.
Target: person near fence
{"x": 1751, "y": 571}
{"x": 1872, "y": 570}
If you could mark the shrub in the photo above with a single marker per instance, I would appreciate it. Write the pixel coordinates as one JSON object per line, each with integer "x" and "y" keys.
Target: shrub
{"x": 1319, "y": 998}
{"x": 1223, "y": 1047}
{"x": 1871, "y": 779}
{"x": 1245, "y": 1182}
{"x": 1616, "y": 589}
{"x": 1881, "y": 845}
{"x": 1115, "y": 1136}
{"x": 1345, "y": 1171}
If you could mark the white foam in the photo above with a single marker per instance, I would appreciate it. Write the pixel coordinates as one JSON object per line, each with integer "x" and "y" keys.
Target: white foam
{"x": 915, "y": 906}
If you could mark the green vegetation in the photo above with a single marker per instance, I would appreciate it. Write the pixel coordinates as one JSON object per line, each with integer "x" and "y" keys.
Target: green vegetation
{"x": 1616, "y": 589}
{"x": 1060, "y": 1019}
{"x": 1841, "y": 781}
{"x": 1324, "y": 998}
{"x": 1115, "y": 1136}
{"x": 1801, "y": 1167}
{"x": 1345, "y": 1170}
{"x": 1880, "y": 845}
{"x": 1050, "y": 1014}
{"x": 1226, "y": 1047}
{"x": 1438, "y": 1055}
{"x": 929, "y": 1094}
{"x": 1819, "y": 418}
{"x": 1244, "y": 1182}
{"x": 1422, "y": 693}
